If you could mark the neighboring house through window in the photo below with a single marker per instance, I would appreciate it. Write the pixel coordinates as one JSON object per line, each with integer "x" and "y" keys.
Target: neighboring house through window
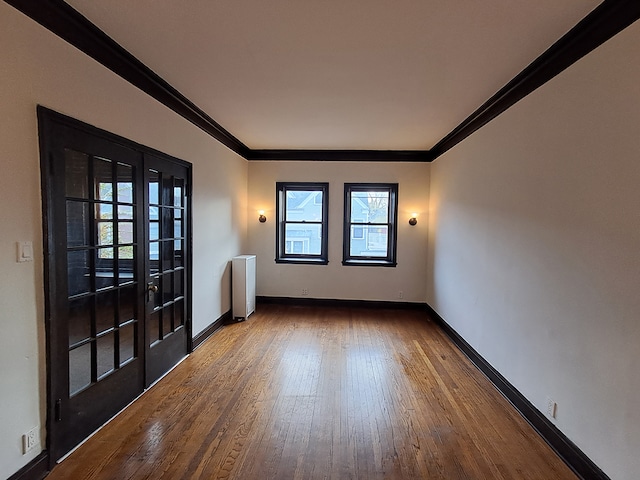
{"x": 370, "y": 224}
{"x": 301, "y": 233}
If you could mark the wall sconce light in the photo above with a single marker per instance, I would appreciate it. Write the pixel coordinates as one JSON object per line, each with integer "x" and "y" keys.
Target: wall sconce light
{"x": 414, "y": 219}
{"x": 262, "y": 218}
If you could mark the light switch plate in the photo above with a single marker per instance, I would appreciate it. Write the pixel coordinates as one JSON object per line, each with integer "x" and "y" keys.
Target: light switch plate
{"x": 25, "y": 251}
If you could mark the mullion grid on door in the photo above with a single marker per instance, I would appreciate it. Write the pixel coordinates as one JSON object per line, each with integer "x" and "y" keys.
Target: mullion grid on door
{"x": 96, "y": 292}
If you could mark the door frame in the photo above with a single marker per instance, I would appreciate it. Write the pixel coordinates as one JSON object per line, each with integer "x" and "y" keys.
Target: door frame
{"x": 48, "y": 120}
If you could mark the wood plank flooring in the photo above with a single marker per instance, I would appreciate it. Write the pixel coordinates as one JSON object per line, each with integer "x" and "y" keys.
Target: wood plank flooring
{"x": 320, "y": 393}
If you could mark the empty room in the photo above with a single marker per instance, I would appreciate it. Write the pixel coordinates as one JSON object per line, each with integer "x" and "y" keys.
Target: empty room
{"x": 320, "y": 240}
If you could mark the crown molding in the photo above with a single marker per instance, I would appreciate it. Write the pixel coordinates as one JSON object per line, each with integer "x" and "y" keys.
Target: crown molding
{"x": 605, "y": 21}
{"x": 343, "y": 155}
{"x": 67, "y": 23}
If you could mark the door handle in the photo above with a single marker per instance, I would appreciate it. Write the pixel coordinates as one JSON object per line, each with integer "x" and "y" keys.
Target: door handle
{"x": 151, "y": 291}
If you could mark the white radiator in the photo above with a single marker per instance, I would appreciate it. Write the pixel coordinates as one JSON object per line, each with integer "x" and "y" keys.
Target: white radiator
{"x": 243, "y": 286}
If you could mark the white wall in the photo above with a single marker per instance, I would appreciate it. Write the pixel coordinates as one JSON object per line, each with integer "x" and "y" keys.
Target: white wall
{"x": 38, "y": 68}
{"x": 535, "y": 249}
{"x": 335, "y": 281}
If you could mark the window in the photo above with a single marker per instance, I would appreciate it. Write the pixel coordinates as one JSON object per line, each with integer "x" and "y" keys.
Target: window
{"x": 301, "y": 234}
{"x": 358, "y": 231}
{"x": 370, "y": 219}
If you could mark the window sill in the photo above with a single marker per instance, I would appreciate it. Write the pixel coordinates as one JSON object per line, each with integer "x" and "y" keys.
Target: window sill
{"x": 303, "y": 261}
{"x": 368, "y": 263}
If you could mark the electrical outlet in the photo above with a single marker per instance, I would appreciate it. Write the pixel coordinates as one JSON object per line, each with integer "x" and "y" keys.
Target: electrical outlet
{"x": 400, "y": 294}
{"x": 552, "y": 408}
{"x": 305, "y": 291}
{"x": 30, "y": 440}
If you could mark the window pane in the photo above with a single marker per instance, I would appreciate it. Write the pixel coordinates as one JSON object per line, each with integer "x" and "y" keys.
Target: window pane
{"x": 105, "y": 233}
{"x": 167, "y": 190}
{"x": 127, "y": 304}
{"x": 154, "y": 230}
{"x": 79, "y": 280}
{"x": 105, "y": 253}
{"x": 105, "y": 268}
{"x": 178, "y": 192}
{"x": 167, "y": 255}
{"x": 154, "y": 256}
{"x": 154, "y": 327}
{"x": 125, "y": 183}
{"x": 153, "y": 187}
{"x": 104, "y": 211}
{"x": 104, "y": 229}
{"x": 103, "y": 179}
{"x": 154, "y": 251}
{"x": 179, "y": 314}
{"x": 167, "y": 314}
{"x": 125, "y": 233}
{"x": 79, "y": 368}
{"x": 371, "y": 206}
{"x": 77, "y": 224}
{"x": 76, "y": 174}
{"x": 79, "y": 319}
{"x": 167, "y": 223}
{"x": 301, "y": 238}
{"x": 127, "y": 342}
{"x": 105, "y": 311}
{"x": 177, "y": 254}
{"x": 373, "y": 243}
{"x": 178, "y": 284}
{"x": 126, "y": 268}
{"x": 125, "y": 212}
{"x": 167, "y": 287}
{"x": 301, "y": 205}
{"x": 104, "y": 346}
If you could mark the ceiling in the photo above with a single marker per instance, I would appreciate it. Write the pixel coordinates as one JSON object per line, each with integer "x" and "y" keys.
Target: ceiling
{"x": 336, "y": 74}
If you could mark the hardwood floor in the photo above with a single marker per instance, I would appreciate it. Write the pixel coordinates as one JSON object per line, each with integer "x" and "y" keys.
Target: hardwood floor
{"x": 320, "y": 393}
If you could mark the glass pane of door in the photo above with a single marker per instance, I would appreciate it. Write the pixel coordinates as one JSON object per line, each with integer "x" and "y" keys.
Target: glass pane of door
{"x": 166, "y": 240}
{"x": 101, "y": 253}
{"x": 166, "y": 227}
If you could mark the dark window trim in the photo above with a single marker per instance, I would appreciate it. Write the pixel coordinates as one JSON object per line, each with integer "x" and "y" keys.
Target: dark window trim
{"x": 392, "y": 240}
{"x": 303, "y": 259}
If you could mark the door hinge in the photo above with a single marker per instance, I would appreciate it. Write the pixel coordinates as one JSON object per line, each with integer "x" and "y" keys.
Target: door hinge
{"x": 58, "y": 410}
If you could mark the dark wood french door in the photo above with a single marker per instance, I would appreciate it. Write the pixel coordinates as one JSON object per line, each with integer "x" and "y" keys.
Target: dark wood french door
{"x": 166, "y": 226}
{"x": 117, "y": 270}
